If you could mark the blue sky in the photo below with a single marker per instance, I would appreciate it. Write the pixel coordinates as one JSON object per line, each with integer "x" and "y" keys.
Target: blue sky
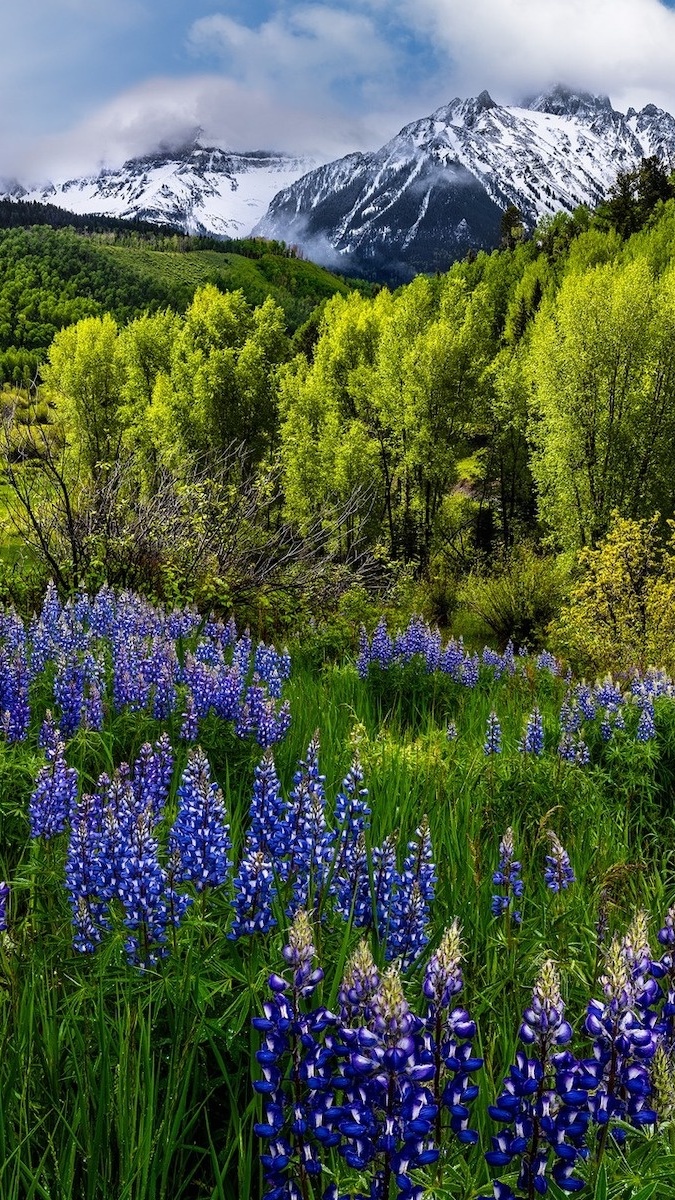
{"x": 86, "y": 82}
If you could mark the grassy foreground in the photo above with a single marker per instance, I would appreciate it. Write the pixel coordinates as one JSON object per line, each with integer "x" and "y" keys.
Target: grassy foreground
{"x": 120, "y": 1083}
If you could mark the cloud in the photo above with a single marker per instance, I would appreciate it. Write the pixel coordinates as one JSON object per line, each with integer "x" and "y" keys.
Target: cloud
{"x": 314, "y": 78}
{"x": 625, "y": 48}
{"x": 307, "y": 50}
{"x": 167, "y": 112}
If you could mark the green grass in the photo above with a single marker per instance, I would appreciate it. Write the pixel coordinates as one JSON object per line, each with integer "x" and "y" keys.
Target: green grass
{"x": 120, "y": 1084}
{"x": 297, "y": 285}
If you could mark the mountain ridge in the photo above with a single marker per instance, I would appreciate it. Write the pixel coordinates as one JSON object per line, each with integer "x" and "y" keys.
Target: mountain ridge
{"x": 440, "y": 186}
{"x": 202, "y": 189}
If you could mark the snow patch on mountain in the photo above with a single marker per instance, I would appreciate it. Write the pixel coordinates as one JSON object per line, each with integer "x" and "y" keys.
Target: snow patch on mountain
{"x": 201, "y": 189}
{"x": 439, "y": 187}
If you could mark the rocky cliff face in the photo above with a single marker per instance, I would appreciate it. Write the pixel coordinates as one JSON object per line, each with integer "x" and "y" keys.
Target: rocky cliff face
{"x": 440, "y": 186}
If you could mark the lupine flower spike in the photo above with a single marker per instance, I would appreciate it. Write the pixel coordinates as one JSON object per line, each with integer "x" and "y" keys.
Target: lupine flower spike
{"x": 507, "y": 878}
{"x": 558, "y": 874}
{"x": 542, "y": 1106}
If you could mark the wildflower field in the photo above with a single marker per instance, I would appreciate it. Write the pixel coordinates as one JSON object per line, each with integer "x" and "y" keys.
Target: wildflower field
{"x": 396, "y": 925}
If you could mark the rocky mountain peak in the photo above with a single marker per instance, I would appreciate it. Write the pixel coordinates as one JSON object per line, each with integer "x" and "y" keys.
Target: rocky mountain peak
{"x": 563, "y": 101}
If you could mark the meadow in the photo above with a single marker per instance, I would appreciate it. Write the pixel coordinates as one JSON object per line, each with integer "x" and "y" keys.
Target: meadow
{"x": 333, "y": 826}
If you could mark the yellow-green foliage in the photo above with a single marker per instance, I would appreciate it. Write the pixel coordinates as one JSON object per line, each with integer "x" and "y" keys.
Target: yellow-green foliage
{"x": 602, "y": 366}
{"x": 621, "y": 612}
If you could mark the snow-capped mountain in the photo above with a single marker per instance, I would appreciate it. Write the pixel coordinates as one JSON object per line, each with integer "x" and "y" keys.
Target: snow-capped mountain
{"x": 201, "y": 189}
{"x": 441, "y": 185}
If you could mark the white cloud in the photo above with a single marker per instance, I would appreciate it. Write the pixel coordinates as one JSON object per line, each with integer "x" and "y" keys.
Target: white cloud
{"x": 625, "y": 48}
{"x": 169, "y": 112}
{"x": 320, "y": 79}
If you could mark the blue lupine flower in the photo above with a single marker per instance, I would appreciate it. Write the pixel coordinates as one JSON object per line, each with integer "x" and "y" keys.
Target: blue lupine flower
{"x": 349, "y": 863}
{"x": 451, "y": 731}
{"x": 558, "y": 874}
{"x": 608, "y": 694}
{"x": 548, "y": 662}
{"x": 618, "y": 1079}
{"x": 4, "y": 899}
{"x": 533, "y": 739}
{"x": 493, "y": 739}
{"x": 543, "y": 1104}
{"x": 387, "y": 1109}
{"x": 200, "y": 834}
{"x": 573, "y": 749}
{"x": 189, "y": 730}
{"x": 585, "y": 701}
{"x": 571, "y": 716}
{"x": 152, "y": 774}
{"x": 254, "y": 894}
{"x": 297, "y": 1073}
{"x": 55, "y": 793}
{"x": 84, "y": 870}
{"x": 447, "y": 1038}
{"x": 646, "y": 728}
{"x": 507, "y": 877}
{"x": 407, "y": 933}
{"x": 360, "y": 982}
{"x": 266, "y": 811}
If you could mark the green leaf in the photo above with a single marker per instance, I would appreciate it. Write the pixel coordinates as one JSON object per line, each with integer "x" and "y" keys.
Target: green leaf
{"x": 600, "y": 1192}
{"x": 644, "y": 1193}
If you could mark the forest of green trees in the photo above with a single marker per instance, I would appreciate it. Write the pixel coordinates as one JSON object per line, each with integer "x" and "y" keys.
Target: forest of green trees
{"x": 460, "y": 440}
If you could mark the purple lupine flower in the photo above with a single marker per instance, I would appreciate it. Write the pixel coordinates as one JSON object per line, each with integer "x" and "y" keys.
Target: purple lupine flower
{"x": 533, "y": 738}
{"x": 360, "y": 982}
{"x": 381, "y": 649}
{"x": 407, "y": 933}
{"x": 646, "y": 728}
{"x": 254, "y": 894}
{"x": 200, "y": 835}
{"x": 493, "y": 737}
{"x": 507, "y": 877}
{"x": 548, "y": 662}
{"x": 452, "y": 659}
{"x": 14, "y": 705}
{"x": 55, "y": 793}
{"x": 387, "y": 1108}
{"x": 543, "y": 1103}
{"x": 152, "y": 774}
{"x": 296, "y": 1068}
{"x": 558, "y": 874}
{"x": 447, "y": 1038}
{"x": 84, "y": 876}
{"x": 666, "y": 937}
{"x": 363, "y": 660}
{"x": 140, "y": 888}
{"x": 470, "y": 670}
{"x": 4, "y": 900}
{"x": 619, "y": 1086}
{"x": 451, "y": 731}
